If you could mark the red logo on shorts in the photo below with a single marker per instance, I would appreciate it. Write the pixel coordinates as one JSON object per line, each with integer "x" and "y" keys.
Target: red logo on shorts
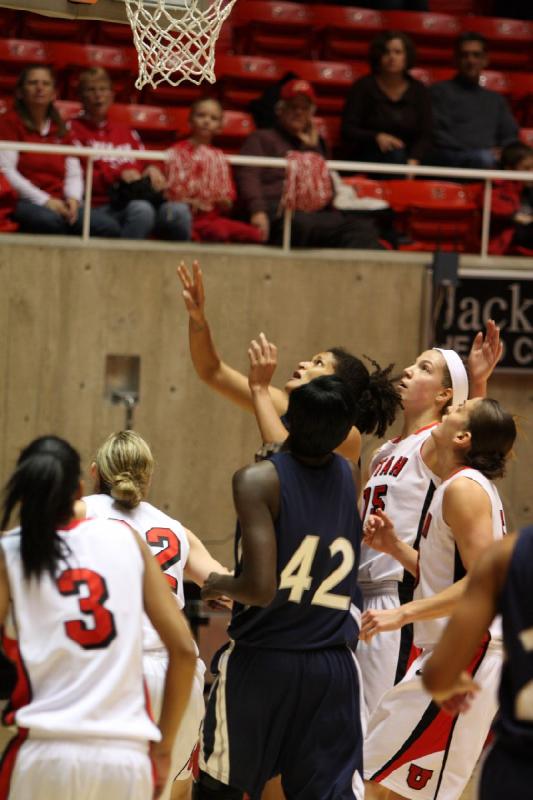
{"x": 418, "y": 777}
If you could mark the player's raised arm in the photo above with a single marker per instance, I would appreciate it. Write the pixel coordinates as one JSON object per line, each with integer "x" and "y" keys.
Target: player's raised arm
{"x": 484, "y": 354}
{"x": 263, "y": 361}
{"x": 209, "y": 366}
{"x": 256, "y": 497}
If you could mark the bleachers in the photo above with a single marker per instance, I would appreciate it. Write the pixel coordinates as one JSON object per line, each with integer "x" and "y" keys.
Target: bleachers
{"x": 263, "y": 39}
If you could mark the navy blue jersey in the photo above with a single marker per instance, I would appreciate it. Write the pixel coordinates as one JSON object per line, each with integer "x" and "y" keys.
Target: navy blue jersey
{"x": 515, "y": 722}
{"x": 318, "y": 533}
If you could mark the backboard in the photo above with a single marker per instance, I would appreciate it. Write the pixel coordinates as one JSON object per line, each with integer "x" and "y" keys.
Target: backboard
{"x": 109, "y": 10}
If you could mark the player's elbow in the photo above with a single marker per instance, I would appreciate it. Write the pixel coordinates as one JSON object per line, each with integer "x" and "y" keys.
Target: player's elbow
{"x": 433, "y": 677}
{"x": 265, "y": 597}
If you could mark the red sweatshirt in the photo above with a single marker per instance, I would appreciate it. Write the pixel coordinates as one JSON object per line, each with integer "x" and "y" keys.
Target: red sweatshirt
{"x": 107, "y": 134}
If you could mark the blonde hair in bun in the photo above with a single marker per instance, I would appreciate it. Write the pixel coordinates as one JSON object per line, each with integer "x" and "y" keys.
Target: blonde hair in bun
{"x": 125, "y": 465}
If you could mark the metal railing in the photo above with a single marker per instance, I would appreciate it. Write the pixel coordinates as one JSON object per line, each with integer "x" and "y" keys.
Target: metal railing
{"x": 92, "y": 154}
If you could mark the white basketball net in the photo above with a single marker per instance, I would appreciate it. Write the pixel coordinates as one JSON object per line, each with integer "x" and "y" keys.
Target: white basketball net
{"x": 175, "y": 43}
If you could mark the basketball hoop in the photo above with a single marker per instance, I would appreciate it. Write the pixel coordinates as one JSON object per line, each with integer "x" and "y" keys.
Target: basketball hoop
{"x": 175, "y": 39}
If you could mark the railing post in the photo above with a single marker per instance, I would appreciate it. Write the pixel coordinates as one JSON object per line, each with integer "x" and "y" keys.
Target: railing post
{"x": 485, "y": 220}
{"x": 87, "y": 200}
{"x": 287, "y": 225}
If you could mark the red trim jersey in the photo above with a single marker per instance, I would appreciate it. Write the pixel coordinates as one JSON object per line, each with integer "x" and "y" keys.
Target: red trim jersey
{"x": 45, "y": 170}
{"x": 440, "y": 563}
{"x": 76, "y": 639}
{"x": 399, "y": 484}
{"x": 111, "y": 135}
{"x": 166, "y": 538}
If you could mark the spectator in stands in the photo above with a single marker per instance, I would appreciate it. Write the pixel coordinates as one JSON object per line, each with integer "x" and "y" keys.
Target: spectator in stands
{"x": 261, "y": 189}
{"x": 134, "y": 218}
{"x": 199, "y": 175}
{"x": 387, "y": 116}
{"x": 470, "y": 124}
{"x": 49, "y": 187}
{"x": 512, "y": 203}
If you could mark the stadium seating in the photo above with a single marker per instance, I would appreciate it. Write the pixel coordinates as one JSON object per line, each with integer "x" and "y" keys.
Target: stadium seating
{"x": 237, "y": 125}
{"x": 330, "y": 79}
{"x": 526, "y": 135}
{"x": 344, "y": 32}
{"x": 38, "y": 26}
{"x": 15, "y": 54}
{"x": 70, "y": 59}
{"x": 263, "y": 27}
{"x": 510, "y": 40}
{"x": 242, "y": 78}
{"x": 437, "y": 214}
{"x": 156, "y": 125}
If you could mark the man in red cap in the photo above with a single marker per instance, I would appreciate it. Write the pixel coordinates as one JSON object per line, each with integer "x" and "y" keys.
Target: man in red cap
{"x": 261, "y": 188}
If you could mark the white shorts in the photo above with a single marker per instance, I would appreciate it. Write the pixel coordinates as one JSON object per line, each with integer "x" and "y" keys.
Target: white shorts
{"x": 378, "y": 658}
{"x": 49, "y": 769}
{"x": 419, "y": 751}
{"x": 154, "y": 669}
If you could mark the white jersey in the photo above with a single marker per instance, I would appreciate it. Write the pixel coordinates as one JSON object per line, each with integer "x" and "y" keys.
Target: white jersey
{"x": 439, "y": 563}
{"x": 399, "y": 484}
{"x": 78, "y": 637}
{"x": 166, "y": 538}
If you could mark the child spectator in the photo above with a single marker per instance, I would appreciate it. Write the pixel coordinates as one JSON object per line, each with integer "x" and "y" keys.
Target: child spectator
{"x": 512, "y": 203}
{"x": 198, "y": 174}
{"x": 134, "y": 218}
{"x": 49, "y": 187}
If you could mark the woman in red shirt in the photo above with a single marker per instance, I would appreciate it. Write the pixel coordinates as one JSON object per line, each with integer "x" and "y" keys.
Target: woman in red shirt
{"x": 49, "y": 186}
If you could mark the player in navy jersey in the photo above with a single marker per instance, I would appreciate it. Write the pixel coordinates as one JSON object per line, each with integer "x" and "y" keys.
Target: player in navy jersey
{"x": 286, "y": 698}
{"x": 500, "y": 584}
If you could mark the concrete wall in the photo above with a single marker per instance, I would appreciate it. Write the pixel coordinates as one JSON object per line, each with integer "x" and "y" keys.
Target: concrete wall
{"x": 64, "y": 307}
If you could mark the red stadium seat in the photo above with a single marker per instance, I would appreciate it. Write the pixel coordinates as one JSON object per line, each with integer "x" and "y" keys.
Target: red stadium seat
{"x": 113, "y": 33}
{"x": 433, "y": 34}
{"x": 68, "y": 108}
{"x": 460, "y": 6}
{"x": 510, "y": 40}
{"x": 37, "y": 26}
{"x": 366, "y": 187}
{"x": 240, "y": 79}
{"x": 330, "y": 79}
{"x": 345, "y": 32}
{"x": 9, "y": 22}
{"x": 437, "y": 214}
{"x": 495, "y": 81}
{"x": 182, "y": 95}
{"x": 70, "y": 59}
{"x": 521, "y": 96}
{"x": 155, "y": 125}
{"x": 15, "y": 54}
{"x": 238, "y": 125}
{"x": 526, "y": 135}
{"x": 261, "y": 27}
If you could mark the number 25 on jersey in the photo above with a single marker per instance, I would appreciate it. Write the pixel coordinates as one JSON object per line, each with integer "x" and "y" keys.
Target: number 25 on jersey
{"x": 297, "y": 575}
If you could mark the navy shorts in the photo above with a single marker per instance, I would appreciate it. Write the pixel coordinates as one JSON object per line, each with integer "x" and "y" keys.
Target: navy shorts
{"x": 505, "y": 774}
{"x": 294, "y": 714}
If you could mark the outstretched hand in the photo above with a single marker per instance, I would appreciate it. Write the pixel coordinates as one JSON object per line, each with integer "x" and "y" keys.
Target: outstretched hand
{"x": 458, "y": 698}
{"x": 193, "y": 290}
{"x": 484, "y": 354}
{"x": 263, "y": 357}
{"x": 379, "y": 533}
{"x": 374, "y": 621}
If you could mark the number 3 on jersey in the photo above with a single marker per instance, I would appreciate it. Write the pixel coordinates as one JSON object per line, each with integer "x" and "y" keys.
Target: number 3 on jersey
{"x": 297, "y": 574}
{"x": 102, "y": 630}
{"x": 169, "y": 555}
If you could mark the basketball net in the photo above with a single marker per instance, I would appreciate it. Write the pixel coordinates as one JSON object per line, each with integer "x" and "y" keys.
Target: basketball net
{"x": 174, "y": 43}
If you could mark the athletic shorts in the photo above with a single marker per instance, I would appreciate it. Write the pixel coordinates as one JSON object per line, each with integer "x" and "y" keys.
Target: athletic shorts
{"x": 419, "y": 751}
{"x": 294, "y": 714}
{"x": 504, "y": 773}
{"x": 51, "y": 769}
{"x": 379, "y": 658}
{"x": 154, "y": 669}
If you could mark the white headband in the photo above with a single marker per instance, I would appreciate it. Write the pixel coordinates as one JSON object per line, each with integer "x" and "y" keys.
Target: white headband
{"x": 458, "y": 375}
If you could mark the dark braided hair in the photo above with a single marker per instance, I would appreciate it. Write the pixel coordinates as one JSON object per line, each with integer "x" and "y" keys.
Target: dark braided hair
{"x": 377, "y": 401}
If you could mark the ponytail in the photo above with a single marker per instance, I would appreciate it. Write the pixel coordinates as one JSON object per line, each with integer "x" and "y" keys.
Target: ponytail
{"x": 125, "y": 465}
{"x": 44, "y": 486}
{"x": 377, "y": 401}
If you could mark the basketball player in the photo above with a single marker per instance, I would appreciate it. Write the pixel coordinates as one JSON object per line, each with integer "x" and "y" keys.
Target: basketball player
{"x": 75, "y": 592}
{"x": 375, "y": 396}
{"x": 122, "y": 474}
{"x": 412, "y": 748}
{"x": 500, "y": 583}
{"x": 286, "y": 698}
{"x": 401, "y": 481}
